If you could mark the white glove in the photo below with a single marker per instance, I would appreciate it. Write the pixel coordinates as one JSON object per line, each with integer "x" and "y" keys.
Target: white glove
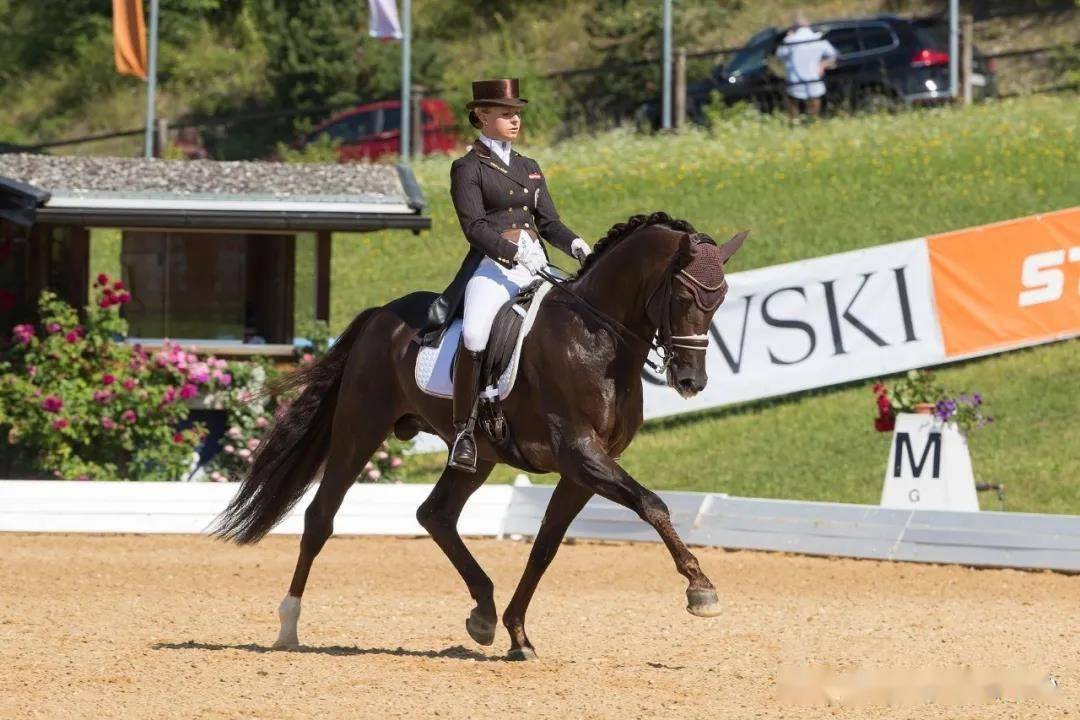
{"x": 531, "y": 256}
{"x": 580, "y": 249}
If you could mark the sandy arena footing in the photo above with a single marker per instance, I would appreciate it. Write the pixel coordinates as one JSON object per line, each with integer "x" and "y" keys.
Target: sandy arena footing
{"x": 180, "y": 627}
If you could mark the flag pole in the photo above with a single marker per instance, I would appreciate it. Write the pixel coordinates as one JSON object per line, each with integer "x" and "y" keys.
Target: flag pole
{"x": 406, "y": 80}
{"x": 665, "y": 60}
{"x": 151, "y": 80}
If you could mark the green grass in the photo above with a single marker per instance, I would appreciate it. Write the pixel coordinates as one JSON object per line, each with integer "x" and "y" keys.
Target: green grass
{"x": 821, "y": 445}
{"x": 804, "y": 192}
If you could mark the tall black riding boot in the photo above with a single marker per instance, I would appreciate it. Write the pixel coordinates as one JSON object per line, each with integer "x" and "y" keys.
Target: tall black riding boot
{"x": 466, "y": 388}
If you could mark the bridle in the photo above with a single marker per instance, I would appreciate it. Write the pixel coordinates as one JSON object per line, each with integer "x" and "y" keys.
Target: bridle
{"x": 665, "y": 342}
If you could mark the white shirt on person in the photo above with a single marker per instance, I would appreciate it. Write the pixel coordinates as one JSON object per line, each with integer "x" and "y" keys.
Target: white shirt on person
{"x": 803, "y": 52}
{"x": 499, "y": 147}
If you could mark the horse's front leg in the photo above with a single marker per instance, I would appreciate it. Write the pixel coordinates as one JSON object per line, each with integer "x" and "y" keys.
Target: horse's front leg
{"x": 594, "y": 469}
{"x": 439, "y": 516}
{"x": 566, "y": 502}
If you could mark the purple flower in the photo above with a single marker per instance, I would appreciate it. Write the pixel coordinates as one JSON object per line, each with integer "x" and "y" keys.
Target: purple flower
{"x": 52, "y": 404}
{"x": 52, "y": 328}
{"x": 23, "y": 333}
{"x": 976, "y": 398}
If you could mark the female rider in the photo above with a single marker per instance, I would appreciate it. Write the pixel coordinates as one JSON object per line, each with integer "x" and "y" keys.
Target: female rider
{"x": 505, "y": 211}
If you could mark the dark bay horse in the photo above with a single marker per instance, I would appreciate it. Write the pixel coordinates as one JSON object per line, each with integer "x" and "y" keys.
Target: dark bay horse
{"x": 576, "y": 405}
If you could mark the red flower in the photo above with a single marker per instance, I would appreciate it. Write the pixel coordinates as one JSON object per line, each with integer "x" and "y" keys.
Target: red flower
{"x": 52, "y": 404}
{"x": 188, "y": 391}
{"x": 60, "y": 423}
{"x": 129, "y": 417}
{"x": 178, "y": 437}
{"x": 118, "y": 285}
{"x": 102, "y": 279}
{"x": 72, "y": 336}
{"x": 879, "y": 387}
{"x": 884, "y": 423}
{"x": 108, "y": 379}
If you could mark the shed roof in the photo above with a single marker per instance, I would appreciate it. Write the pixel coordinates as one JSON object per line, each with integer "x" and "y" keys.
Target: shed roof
{"x": 208, "y": 194}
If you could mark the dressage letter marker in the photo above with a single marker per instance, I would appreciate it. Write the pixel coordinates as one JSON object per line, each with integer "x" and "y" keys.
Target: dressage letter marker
{"x": 929, "y": 467}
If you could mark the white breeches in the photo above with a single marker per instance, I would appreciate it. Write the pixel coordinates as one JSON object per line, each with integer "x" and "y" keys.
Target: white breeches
{"x": 488, "y": 289}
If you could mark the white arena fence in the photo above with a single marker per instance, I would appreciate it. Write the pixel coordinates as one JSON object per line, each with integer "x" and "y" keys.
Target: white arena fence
{"x": 987, "y": 539}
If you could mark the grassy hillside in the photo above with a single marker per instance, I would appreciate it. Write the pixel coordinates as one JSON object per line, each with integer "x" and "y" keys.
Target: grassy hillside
{"x": 804, "y": 192}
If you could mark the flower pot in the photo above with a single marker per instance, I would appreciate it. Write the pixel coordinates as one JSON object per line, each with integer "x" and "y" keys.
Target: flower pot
{"x": 924, "y": 408}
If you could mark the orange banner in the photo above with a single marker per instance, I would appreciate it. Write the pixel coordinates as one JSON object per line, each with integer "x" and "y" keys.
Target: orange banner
{"x": 129, "y": 37}
{"x": 1008, "y": 284}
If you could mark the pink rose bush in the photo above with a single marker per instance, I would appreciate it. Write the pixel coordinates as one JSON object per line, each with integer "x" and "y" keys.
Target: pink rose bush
{"x": 78, "y": 402}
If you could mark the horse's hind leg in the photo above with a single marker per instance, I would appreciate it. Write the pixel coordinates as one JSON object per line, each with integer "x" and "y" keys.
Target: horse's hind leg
{"x": 356, "y": 435}
{"x": 566, "y": 502}
{"x": 439, "y": 515}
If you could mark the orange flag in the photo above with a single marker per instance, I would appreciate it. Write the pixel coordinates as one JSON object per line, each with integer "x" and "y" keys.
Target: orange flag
{"x": 129, "y": 37}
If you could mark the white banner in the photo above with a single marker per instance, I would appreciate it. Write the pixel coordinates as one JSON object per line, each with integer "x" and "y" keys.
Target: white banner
{"x": 813, "y": 323}
{"x": 384, "y": 22}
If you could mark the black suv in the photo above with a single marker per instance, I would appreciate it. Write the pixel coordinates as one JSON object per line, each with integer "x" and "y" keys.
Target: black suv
{"x": 883, "y": 61}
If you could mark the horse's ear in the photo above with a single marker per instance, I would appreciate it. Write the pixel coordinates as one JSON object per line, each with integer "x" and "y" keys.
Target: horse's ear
{"x": 686, "y": 249}
{"x": 732, "y": 246}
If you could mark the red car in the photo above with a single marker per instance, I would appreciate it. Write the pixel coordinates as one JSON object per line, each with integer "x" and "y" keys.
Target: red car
{"x": 374, "y": 129}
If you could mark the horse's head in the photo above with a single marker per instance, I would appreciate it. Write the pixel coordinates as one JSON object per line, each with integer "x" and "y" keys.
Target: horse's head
{"x": 684, "y": 304}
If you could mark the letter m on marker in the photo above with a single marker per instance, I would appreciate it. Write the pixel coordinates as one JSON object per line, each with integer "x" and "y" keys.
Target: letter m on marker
{"x": 904, "y": 447}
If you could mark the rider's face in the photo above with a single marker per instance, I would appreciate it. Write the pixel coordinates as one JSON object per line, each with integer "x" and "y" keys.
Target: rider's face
{"x": 500, "y": 123}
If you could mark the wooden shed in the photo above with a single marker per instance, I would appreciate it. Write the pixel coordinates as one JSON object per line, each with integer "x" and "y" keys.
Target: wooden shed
{"x": 207, "y": 248}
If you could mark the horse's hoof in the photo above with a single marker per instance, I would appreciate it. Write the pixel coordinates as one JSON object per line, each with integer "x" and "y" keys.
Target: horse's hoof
{"x": 521, "y": 654}
{"x": 480, "y": 628}
{"x": 703, "y": 603}
{"x": 280, "y": 644}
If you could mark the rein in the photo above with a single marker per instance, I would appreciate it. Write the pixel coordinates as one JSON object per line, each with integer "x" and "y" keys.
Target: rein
{"x": 667, "y": 343}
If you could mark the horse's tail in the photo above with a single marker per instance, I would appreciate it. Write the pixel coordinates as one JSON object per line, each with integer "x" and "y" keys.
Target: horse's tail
{"x": 289, "y": 458}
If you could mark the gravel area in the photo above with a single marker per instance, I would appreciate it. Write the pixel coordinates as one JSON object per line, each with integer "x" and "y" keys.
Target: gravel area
{"x": 180, "y": 627}
{"x": 70, "y": 175}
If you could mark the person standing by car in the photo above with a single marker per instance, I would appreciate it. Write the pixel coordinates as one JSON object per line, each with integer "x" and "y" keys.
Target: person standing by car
{"x": 806, "y": 56}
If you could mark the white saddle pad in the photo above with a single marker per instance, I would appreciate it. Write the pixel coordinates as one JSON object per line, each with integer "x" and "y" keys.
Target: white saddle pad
{"x": 433, "y": 364}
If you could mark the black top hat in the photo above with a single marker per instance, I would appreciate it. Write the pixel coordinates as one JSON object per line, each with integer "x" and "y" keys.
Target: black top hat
{"x": 496, "y": 92}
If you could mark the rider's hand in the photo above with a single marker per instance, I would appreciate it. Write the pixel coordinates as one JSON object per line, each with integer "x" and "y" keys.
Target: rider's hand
{"x": 580, "y": 249}
{"x": 532, "y": 257}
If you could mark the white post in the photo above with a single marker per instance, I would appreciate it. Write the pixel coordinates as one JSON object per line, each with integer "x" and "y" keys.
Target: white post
{"x": 954, "y": 48}
{"x": 665, "y": 60}
{"x": 406, "y": 82}
{"x": 151, "y": 80}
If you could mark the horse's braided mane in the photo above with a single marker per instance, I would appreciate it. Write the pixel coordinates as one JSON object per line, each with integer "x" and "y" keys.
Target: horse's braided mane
{"x": 620, "y": 231}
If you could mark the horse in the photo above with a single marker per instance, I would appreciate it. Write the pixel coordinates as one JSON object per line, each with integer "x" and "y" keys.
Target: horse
{"x": 576, "y": 405}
